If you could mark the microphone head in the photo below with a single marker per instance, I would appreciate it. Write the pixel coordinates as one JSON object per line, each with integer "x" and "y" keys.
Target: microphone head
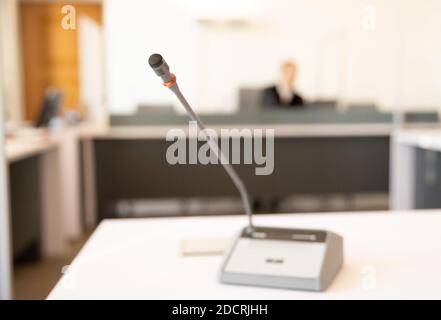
{"x": 155, "y": 60}
{"x": 158, "y": 64}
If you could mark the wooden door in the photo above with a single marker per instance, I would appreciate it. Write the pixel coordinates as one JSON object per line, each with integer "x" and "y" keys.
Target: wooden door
{"x": 50, "y": 52}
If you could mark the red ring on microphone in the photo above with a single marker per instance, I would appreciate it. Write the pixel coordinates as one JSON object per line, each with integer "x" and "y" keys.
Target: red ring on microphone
{"x": 171, "y": 82}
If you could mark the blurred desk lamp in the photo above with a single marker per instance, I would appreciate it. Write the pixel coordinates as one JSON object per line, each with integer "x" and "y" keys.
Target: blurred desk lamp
{"x": 262, "y": 256}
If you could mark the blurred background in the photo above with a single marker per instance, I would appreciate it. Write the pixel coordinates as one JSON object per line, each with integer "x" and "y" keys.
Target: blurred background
{"x": 351, "y": 87}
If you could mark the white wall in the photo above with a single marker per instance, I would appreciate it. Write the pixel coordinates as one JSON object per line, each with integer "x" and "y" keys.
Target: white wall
{"x": 12, "y": 82}
{"x": 134, "y": 29}
{"x": 422, "y": 53}
{"x": 91, "y": 69}
{"x": 395, "y": 64}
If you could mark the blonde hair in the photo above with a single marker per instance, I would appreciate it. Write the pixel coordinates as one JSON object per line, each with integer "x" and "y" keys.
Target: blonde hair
{"x": 289, "y": 64}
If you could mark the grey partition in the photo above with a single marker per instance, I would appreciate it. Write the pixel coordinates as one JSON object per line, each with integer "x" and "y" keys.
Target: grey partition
{"x": 302, "y": 116}
{"x": 264, "y": 117}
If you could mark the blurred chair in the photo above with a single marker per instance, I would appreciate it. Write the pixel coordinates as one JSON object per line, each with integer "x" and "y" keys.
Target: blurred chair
{"x": 366, "y": 107}
{"x": 421, "y": 117}
{"x": 154, "y": 109}
{"x": 250, "y": 99}
{"x": 50, "y": 107}
{"x": 322, "y": 104}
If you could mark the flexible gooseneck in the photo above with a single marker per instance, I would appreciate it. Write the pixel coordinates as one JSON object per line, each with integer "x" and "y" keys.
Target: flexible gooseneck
{"x": 161, "y": 68}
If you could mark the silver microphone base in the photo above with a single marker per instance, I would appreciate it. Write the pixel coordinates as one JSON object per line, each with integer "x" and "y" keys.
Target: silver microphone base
{"x": 284, "y": 258}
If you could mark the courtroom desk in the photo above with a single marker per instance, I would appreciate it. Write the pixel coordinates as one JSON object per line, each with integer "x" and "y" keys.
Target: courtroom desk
{"x": 416, "y": 169}
{"x": 34, "y": 195}
{"x": 17, "y": 149}
{"x": 388, "y": 255}
{"x": 44, "y": 176}
{"x": 128, "y": 163}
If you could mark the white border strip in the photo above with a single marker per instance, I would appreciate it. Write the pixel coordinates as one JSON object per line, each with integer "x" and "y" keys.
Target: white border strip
{"x": 5, "y": 256}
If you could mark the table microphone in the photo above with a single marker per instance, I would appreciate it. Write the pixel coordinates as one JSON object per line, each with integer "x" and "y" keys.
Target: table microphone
{"x": 161, "y": 68}
{"x": 267, "y": 256}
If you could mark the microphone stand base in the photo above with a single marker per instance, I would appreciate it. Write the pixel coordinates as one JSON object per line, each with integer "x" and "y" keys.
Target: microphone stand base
{"x": 283, "y": 258}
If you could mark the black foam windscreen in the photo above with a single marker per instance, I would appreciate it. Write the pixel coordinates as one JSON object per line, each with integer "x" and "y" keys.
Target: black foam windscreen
{"x": 155, "y": 60}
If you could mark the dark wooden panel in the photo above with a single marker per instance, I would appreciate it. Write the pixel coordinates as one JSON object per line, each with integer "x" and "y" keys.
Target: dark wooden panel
{"x": 427, "y": 179}
{"x": 25, "y": 208}
{"x": 134, "y": 169}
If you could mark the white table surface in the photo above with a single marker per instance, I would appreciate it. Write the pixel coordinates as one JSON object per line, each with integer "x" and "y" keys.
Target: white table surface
{"x": 429, "y": 138}
{"x": 21, "y": 148}
{"x": 28, "y": 142}
{"x": 387, "y": 255}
